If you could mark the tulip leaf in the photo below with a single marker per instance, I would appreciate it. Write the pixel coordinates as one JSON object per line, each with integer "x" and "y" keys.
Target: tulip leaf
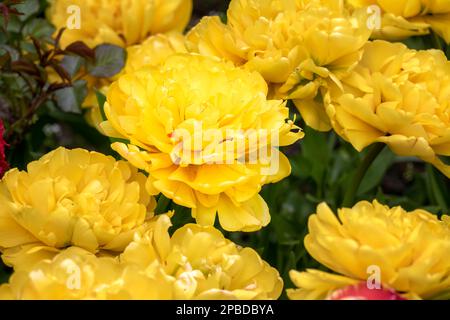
{"x": 445, "y": 295}
{"x": 418, "y": 43}
{"x": 434, "y": 189}
{"x": 101, "y": 99}
{"x": 162, "y": 206}
{"x": 377, "y": 171}
{"x": 4, "y": 273}
{"x": 317, "y": 153}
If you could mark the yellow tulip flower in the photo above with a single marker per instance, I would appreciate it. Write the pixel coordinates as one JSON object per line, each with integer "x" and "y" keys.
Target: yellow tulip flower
{"x": 396, "y": 96}
{"x": 119, "y": 22}
{"x": 203, "y": 264}
{"x": 70, "y": 197}
{"x": 123, "y": 23}
{"x": 206, "y": 133}
{"x": 297, "y": 46}
{"x": 151, "y": 52}
{"x": 409, "y": 249}
{"x": 76, "y": 274}
{"x": 72, "y": 274}
{"x": 405, "y": 18}
{"x": 195, "y": 263}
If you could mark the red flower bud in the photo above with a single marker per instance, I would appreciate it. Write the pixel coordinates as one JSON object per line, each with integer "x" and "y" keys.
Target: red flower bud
{"x": 360, "y": 291}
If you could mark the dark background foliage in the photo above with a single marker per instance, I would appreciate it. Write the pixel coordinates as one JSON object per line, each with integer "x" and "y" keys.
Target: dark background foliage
{"x": 322, "y": 163}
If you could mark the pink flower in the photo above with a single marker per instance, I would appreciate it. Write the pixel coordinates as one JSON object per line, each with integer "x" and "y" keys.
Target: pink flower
{"x": 3, "y": 163}
{"x": 360, "y": 291}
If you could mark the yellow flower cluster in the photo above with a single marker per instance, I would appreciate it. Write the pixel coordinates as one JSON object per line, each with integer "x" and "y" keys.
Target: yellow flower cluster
{"x": 123, "y": 23}
{"x": 71, "y": 197}
{"x": 410, "y": 250}
{"x": 119, "y": 22}
{"x": 396, "y": 96}
{"x": 203, "y": 116}
{"x": 297, "y": 46}
{"x": 402, "y": 19}
{"x": 195, "y": 263}
{"x": 71, "y": 274}
{"x": 200, "y": 263}
{"x": 195, "y": 124}
{"x": 151, "y": 52}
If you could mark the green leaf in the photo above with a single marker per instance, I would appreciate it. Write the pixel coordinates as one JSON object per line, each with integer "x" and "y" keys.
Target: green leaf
{"x": 101, "y": 99}
{"x": 72, "y": 64}
{"x": 38, "y": 28}
{"x": 71, "y": 98}
{"x": 109, "y": 60}
{"x": 4, "y": 273}
{"x": 28, "y": 8}
{"x": 14, "y": 24}
{"x": 5, "y": 61}
{"x": 444, "y": 295}
{"x": 316, "y": 151}
{"x": 283, "y": 230}
{"x": 14, "y": 53}
{"x": 162, "y": 205}
{"x": 434, "y": 188}
{"x": 376, "y": 172}
{"x": 418, "y": 43}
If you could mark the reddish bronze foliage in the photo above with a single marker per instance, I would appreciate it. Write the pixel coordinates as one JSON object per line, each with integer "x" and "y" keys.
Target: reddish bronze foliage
{"x": 3, "y": 163}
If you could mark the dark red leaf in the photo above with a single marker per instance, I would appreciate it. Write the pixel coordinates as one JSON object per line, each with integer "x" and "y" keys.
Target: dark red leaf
{"x": 5, "y": 13}
{"x": 3, "y": 163}
{"x": 81, "y": 49}
{"x": 26, "y": 67}
{"x": 57, "y": 86}
{"x": 5, "y": 61}
{"x": 58, "y": 37}
{"x": 60, "y": 70}
{"x": 37, "y": 45}
{"x": 45, "y": 57}
{"x": 14, "y": 11}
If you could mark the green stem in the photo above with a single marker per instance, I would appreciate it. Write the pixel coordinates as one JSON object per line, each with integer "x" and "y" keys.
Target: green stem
{"x": 435, "y": 192}
{"x": 370, "y": 157}
{"x": 436, "y": 41}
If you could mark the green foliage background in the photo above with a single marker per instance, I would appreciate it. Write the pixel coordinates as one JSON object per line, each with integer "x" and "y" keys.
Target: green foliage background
{"x": 322, "y": 163}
